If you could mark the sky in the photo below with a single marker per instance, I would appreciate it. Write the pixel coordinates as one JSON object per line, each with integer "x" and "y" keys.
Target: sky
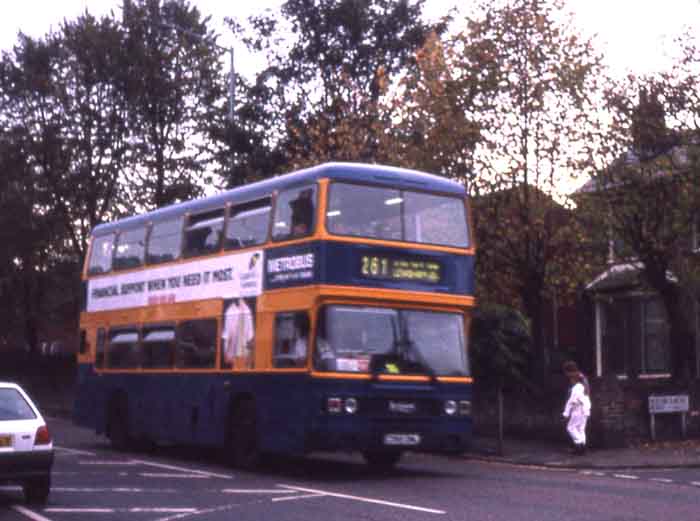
{"x": 631, "y": 31}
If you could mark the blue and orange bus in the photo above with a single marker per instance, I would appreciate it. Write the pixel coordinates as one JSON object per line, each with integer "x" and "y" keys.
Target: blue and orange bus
{"x": 327, "y": 309}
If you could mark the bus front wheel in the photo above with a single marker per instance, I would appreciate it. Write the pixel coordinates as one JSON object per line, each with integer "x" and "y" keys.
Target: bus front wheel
{"x": 119, "y": 426}
{"x": 243, "y": 447}
{"x": 381, "y": 460}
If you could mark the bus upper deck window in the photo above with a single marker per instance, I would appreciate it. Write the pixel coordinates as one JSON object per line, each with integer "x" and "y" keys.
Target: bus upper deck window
{"x": 294, "y": 213}
{"x": 130, "y": 249}
{"x": 165, "y": 241}
{"x": 203, "y": 233}
{"x": 248, "y": 224}
{"x": 101, "y": 254}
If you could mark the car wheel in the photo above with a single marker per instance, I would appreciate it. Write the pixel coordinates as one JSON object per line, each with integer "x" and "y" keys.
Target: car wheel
{"x": 381, "y": 460}
{"x": 36, "y": 490}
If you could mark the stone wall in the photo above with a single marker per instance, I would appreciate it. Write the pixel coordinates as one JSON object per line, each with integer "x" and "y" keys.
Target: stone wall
{"x": 620, "y": 414}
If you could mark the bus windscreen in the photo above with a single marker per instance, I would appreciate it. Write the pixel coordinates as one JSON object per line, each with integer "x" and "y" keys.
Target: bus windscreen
{"x": 396, "y": 215}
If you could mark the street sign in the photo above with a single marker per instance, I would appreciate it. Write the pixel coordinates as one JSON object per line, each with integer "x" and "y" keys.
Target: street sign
{"x": 670, "y": 403}
{"x": 659, "y": 404}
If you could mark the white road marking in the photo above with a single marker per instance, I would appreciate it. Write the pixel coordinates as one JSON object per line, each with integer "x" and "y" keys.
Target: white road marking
{"x": 182, "y": 469}
{"x": 695, "y": 483}
{"x": 130, "y": 463}
{"x": 305, "y": 496}
{"x": 28, "y": 513}
{"x": 10, "y": 488}
{"x": 625, "y": 476}
{"x": 169, "y": 476}
{"x": 135, "y": 510}
{"x": 92, "y": 490}
{"x": 255, "y": 491}
{"x": 56, "y": 510}
{"x": 158, "y": 510}
{"x": 661, "y": 480}
{"x": 74, "y": 451}
{"x": 365, "y": 499}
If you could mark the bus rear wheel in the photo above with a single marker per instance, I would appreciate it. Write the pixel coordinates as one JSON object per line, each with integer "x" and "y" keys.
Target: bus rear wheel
{"x": 381, "y": 460}
{"x": 119, "y": 435}
{"x": 243, "y": 448}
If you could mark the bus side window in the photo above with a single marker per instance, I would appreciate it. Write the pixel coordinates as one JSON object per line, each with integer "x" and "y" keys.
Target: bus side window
{"x": 101, "y": 254}
{"x": 123, "y": 349}
{"x": 203, "y": 233}
{"x": 291, "y": 339}
{"x": 165, "y": 241}
{"x": 130, "y": 249}
{"x": 294, "y": 213}
{"x": 196, "y": 344}
{"x": 158, "y": 347}
{"x": 248, "y": 224}
{"x": 100, "y": 348}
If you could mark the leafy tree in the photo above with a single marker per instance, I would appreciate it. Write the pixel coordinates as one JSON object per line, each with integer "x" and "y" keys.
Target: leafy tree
{"x": 500, "y": 352}
{"x": 172, "y": 85}
{"x": 430, "y": 127}
{"x": 343, "y": 52}
{"x": 535, "y": 80}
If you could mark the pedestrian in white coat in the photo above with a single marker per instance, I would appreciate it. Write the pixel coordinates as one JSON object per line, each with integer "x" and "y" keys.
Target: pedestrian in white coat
{"x": 578, "y": 406}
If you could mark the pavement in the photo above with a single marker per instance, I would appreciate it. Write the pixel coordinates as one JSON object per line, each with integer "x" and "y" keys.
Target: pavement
{"x": 660, "y": 454}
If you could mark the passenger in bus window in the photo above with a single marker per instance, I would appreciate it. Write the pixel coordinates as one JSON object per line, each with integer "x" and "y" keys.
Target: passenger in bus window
{"x": 302, "y": 213}
{"x": 301, "y": 342}
{"x": 324, "y": 353}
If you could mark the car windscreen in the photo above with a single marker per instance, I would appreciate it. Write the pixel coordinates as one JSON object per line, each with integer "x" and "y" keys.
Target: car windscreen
{"x": 13, "y": 406}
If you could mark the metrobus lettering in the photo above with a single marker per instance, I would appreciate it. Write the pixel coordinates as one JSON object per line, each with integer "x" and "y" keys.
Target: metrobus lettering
{"x": 292, "y": 263}
{"x": 108, "y": 291}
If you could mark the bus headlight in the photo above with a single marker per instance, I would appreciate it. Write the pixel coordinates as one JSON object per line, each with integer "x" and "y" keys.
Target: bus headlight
{"x": 450, "y": 407}
{"x": 334, "y": 405}
{"x": 350, "y": 405}
{"x": 465, "y": 407}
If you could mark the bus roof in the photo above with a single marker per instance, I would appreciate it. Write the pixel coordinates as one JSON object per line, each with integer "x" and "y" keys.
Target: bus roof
{"x": 400, "y": 178}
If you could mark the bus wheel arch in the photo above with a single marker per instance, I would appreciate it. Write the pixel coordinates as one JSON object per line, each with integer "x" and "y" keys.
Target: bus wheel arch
{"x": 118, "y": 421}
{"x": 242, "y": 441}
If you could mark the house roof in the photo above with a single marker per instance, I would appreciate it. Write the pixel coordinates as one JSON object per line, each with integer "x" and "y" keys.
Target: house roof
{"x": 621, "y": 276}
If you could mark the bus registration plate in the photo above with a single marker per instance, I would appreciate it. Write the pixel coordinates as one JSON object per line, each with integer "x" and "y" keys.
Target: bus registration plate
{"x": 5, "y": 441}
{"x": 396, "y": 439}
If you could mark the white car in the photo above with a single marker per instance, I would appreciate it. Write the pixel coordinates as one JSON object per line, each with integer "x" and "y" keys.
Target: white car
{"x": 26, "y": 448}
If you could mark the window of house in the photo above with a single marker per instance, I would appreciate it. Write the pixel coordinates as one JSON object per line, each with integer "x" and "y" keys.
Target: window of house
{"x": 294, "y": 213}
{"x": 635, "y": 337}
{"x": 158, "y": 350}
{"x": 130, "y": 248}
{"x": 123, "y": 349}
{"x": 291, "y": 339}
{"x": 196, "y": 344}
{"x": 101, "y": 254}
{"x": 248, "y": 224}
{"x": 203, "y": 233}
{"x": 165, "y": 241}
{"x": 655, "y": 347}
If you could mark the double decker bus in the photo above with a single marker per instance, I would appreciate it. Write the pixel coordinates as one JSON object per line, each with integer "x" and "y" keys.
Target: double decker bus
{"x": 327, "y": 309}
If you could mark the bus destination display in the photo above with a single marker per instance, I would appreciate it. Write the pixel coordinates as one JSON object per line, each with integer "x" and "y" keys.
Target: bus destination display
{"x": 399, "y": 268}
